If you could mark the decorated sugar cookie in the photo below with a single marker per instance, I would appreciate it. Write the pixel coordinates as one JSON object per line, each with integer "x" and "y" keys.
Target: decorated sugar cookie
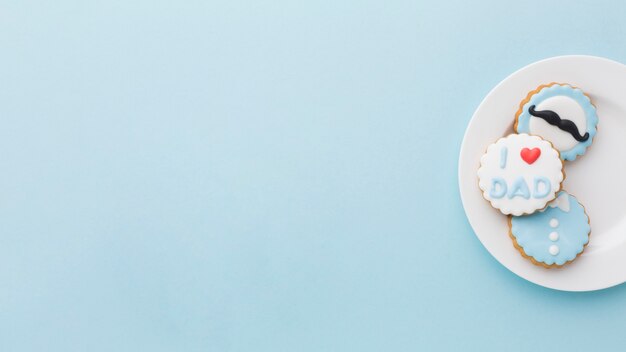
{"x": 560, "y": 114}
{"x": 555, "y": 236}
{"x": 520, "y": 174}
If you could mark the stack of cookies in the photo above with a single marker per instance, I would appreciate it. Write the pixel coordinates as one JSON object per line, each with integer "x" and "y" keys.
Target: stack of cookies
{"x": 521, "y": 174}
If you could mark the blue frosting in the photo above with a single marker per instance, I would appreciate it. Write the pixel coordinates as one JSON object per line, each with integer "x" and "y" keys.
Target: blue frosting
{"x": 523, "y": 119}
{"x": 532, "y": 232}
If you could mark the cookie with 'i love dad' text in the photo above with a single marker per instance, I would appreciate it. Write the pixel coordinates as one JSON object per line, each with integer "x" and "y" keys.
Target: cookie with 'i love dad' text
{"x": 519, "y": 174}
{"x": 561, "y": 114}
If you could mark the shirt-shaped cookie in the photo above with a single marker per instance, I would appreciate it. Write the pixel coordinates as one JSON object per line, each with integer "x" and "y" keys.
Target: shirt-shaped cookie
{"x": 555, "y": 236}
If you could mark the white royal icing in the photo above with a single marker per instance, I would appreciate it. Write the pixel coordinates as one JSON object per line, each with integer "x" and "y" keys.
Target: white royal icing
{"x": 520, "y": 174}
{"x": 554, "y": 249}
{"x": 561, "y": 202}
{"x": 554, "y": 223}
{"x": 554, "y": 236}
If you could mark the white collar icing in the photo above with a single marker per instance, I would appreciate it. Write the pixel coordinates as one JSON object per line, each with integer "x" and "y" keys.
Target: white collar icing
{"x": 561, "y": 202}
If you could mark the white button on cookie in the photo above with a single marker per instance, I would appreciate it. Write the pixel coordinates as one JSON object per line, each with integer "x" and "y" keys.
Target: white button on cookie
{"x": 554, "y": 236}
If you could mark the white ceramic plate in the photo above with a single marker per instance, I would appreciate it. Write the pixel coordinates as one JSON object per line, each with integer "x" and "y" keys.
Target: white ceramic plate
{"x": 597, "y": 178}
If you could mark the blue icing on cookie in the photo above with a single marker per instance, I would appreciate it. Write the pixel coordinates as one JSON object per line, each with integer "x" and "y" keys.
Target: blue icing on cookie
{"x": 552, "y": 114}
{"x": 555, "y": 235}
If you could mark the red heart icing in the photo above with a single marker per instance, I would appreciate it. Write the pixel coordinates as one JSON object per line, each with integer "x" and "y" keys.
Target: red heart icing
{"x": 530, "y": 155}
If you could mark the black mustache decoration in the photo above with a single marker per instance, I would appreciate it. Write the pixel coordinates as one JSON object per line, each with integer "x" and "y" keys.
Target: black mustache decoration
{"x": 554, "y": 119}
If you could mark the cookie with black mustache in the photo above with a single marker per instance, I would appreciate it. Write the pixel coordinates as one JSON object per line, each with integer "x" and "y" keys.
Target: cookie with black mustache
{"x": 561, "y": 114}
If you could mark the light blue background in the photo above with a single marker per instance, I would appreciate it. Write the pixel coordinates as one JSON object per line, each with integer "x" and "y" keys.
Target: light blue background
{"x": 268, "y": 176}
